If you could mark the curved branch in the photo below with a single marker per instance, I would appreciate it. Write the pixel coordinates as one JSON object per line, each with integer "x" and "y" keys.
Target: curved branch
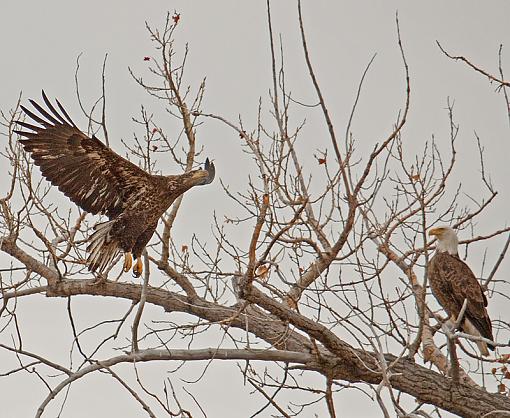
{"x": 180, "y": 355}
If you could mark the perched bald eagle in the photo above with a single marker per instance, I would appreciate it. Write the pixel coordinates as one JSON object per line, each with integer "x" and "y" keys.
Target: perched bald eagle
{"x": 452, "y": 281}
{"x": 102, "y": 182}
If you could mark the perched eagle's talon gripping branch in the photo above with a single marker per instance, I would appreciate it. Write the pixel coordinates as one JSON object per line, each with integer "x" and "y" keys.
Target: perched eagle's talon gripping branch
{"x": 102, "y": 182}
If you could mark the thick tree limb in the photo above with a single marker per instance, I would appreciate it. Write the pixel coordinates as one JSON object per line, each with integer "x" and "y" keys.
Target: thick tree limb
{"x": 340, "y": 360}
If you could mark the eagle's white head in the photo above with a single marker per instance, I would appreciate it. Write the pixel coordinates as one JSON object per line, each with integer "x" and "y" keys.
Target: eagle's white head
{"x": 447, "y": 240}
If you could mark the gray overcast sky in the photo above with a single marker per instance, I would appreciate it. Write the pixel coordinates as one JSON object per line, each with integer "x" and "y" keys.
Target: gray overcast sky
{"x": 228, "y": 44}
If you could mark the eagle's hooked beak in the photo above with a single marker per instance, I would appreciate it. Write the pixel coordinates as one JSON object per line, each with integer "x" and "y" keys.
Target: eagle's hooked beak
{"x": 437, "y": 232}
{"x": 208, "y": 172}
{"x": 201, "y": 176}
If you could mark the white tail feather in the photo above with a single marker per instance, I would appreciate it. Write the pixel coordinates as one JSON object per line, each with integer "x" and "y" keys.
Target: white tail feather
{"x": 102, "y": 249}
{"x": 469, "y": 328}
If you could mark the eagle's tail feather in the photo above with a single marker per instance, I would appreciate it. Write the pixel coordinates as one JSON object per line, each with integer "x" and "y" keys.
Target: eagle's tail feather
{"x": 483, "y": 348}
{"x": 469, "y": 328}
{"x": 102, "y": 249}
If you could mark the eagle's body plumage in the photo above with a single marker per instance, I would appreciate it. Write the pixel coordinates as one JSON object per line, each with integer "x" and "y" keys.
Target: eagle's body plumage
{"x": 102, "y": 182}
{"x": 452, "y": 282}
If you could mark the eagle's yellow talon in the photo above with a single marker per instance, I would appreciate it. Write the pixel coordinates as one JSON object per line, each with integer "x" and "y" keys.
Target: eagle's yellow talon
{"x": 138, "y": 268}
{"x": 128, "y": 262}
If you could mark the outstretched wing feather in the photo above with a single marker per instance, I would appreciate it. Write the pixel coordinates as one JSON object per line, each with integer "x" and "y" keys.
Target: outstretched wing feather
{"x": 82, "y": 167}
{"x": 52, "y": 108}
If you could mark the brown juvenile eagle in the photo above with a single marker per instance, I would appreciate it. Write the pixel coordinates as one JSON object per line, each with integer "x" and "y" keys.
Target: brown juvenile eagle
{"x": 452, "y": 281}
{"x": 102, "y": 182}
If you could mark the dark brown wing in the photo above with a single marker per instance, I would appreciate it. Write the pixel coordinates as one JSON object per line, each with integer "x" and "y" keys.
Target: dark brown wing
{"x": 452, "y": 281}
{"x": 83, "y": 168}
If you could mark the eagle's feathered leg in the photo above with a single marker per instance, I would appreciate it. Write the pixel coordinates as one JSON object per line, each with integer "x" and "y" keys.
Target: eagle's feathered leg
{"x": 139, "y": 246}
{"x": 109, "y": 238}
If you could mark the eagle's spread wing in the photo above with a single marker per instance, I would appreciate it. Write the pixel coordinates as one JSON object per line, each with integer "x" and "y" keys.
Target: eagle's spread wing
{"x": 82, "y": 167}
{"x": 452, "y": 282}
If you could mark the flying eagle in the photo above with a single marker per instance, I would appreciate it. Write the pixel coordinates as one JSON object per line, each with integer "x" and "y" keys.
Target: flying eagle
{"x": 452, "y": 282}
{"x": 102, "y": 182}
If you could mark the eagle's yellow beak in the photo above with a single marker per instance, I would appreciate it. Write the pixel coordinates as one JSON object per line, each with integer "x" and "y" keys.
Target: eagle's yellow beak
{"x": 437, "y": 232}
